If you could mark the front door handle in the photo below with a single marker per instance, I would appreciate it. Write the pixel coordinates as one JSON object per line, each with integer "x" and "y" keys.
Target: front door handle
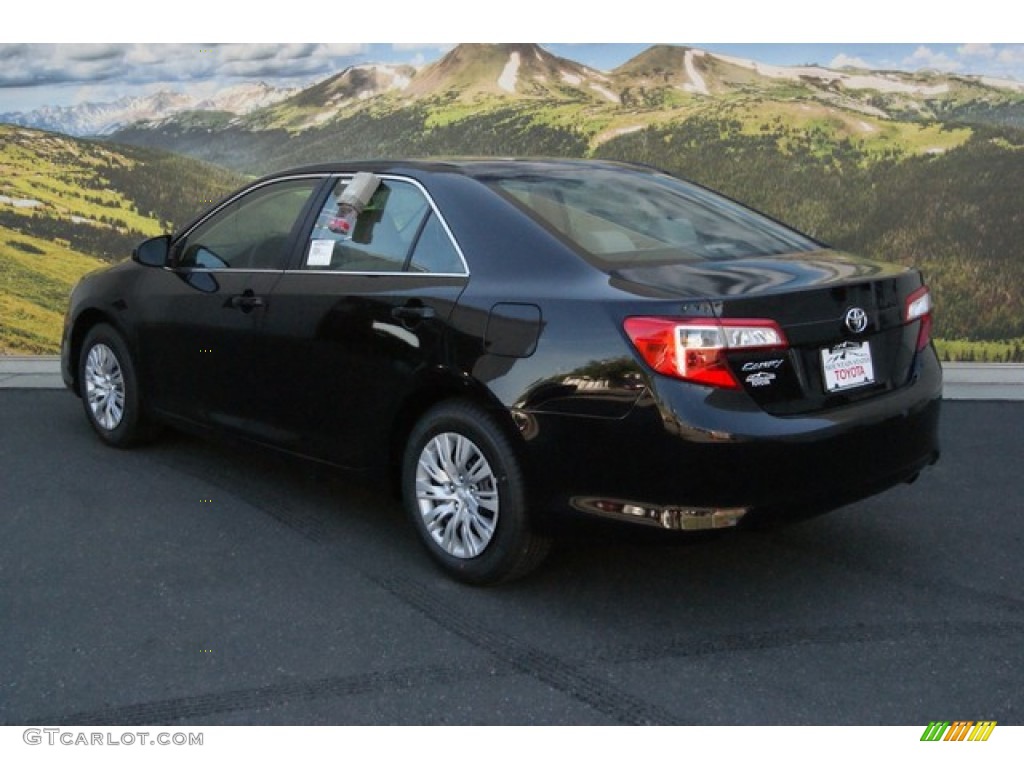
{"x": 246, "y": 301}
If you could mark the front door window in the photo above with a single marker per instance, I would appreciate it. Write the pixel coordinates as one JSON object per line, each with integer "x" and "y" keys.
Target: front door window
{"x": 251, "y": 233}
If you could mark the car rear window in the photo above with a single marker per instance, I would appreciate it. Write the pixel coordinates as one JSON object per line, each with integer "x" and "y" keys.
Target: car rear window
{"x": 619, "y": 217}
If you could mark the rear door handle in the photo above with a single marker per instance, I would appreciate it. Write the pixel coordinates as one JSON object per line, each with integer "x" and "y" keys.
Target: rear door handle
{"x": 413, "y": 312}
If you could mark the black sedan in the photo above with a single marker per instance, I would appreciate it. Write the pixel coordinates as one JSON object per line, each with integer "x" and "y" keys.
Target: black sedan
{"x": 512, "y": 340}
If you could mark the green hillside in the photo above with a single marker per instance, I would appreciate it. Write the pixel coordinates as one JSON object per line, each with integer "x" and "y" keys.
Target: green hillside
{"x": 68, "y": 206}
{"x": 36, "y": 277}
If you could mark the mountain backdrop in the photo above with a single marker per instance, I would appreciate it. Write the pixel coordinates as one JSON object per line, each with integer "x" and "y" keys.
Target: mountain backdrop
{"x": 919, "y": 168}
{"x": 103, "y": 118}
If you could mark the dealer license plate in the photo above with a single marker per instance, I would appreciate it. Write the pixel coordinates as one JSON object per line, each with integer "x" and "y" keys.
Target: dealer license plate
{"x": 847, "y": 365}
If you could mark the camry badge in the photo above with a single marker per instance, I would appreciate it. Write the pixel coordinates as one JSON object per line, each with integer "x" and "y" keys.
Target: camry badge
{"x": 856, "y": 320}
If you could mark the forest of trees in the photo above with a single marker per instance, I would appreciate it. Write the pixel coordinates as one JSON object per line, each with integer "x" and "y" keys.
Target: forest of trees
{"x": 509, "y": 131}
{"x": 171, "y": 188}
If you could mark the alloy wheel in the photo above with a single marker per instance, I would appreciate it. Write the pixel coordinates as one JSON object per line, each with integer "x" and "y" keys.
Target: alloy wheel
{"x": 104, "y": 386}
{"x": 457, "y": 495}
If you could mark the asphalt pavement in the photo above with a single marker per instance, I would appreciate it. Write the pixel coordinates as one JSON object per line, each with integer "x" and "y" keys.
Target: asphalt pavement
{"x": 197, "y": 582}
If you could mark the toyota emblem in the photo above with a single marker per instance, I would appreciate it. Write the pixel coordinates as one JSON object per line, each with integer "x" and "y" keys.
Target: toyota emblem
{"x": 856, "y": 320}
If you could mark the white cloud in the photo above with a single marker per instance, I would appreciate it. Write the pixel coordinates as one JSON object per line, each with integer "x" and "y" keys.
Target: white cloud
{"x": 977, "y": 51}
{"x": 139, "y": 64}
{"x": 335, "y": 50}
{"x": 1011, "y": 54}
{"x": 443, "y": 47}
{"x": 925, "y": 58}
{"x": 422, "y": 52}
{"x": 974, "y": 59}
{"x": 92, "y": 51}
{"x": 842, "y": 60}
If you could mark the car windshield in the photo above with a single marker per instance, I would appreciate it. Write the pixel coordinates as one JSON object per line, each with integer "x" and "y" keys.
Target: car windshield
{"x": 618, "y": 217}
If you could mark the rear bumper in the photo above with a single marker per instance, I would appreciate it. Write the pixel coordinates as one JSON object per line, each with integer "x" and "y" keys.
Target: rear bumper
{"x": 688, "y": 457}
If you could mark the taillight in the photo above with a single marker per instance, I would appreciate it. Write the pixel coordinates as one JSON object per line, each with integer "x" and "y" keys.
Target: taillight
{"x": 695, "y": 350}
{"x": 919, "y": 307}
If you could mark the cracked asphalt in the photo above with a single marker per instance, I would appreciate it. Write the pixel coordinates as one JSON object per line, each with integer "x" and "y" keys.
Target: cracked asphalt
{"x": 196, "y": 582}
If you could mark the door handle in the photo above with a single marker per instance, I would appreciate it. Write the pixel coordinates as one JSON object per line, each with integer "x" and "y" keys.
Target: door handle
{"x": 413, "y": 312}
{"x": 246, "y": 302}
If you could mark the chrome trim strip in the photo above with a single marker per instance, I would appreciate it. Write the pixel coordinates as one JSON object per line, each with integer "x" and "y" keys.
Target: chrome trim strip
{"x": 326, "y": 175}
{"x": 222, "y": 270}
{"x": 345, "y": 273}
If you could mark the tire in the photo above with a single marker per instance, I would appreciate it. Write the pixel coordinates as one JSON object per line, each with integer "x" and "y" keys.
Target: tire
{"x": 463, "y": 488}
{"x": 109, "y": 389}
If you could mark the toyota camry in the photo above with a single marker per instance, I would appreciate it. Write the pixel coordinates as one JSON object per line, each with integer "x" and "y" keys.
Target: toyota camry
{"x": 512, "y": 341}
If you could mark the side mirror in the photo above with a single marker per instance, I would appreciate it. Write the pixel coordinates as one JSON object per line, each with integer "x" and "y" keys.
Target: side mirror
{"x": 153, "y": 252}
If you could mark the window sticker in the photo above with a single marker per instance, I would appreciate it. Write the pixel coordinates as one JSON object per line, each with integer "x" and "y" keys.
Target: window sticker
{"x": 320, "y": 253}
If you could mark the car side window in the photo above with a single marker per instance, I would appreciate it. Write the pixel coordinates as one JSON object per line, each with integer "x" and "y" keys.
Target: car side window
{"x": 250, "y": 233}
{"x": 434, "y": 251}
{"x": 385, "y": 236}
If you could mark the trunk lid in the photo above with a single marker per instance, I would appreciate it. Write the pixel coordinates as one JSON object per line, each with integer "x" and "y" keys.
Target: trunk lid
{"x": 843, "y": 317}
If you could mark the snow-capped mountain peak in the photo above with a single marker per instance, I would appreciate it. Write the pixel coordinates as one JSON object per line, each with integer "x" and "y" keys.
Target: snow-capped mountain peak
{"x": 103, "y": 118}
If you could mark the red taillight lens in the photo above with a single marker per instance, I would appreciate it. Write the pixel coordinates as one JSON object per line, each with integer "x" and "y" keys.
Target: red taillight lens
{"x": 695, "y": 350}
{"x": 919, "y": 307}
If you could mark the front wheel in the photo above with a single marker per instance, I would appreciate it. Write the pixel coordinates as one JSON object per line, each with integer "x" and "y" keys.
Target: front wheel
{"x": 109, "y": 388}
{"x": 463, "y": 489}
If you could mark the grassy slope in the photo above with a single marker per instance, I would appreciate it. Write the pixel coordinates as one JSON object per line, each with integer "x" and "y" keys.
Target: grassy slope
{"x": 36, "y": 277}
{"x": 36, "y": 273}
{"x": 90, "y": 203}
{"x": 66, "y": 176}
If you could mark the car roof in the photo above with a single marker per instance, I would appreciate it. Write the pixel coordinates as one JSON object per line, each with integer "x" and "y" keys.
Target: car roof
{"x": 467, "y": 166}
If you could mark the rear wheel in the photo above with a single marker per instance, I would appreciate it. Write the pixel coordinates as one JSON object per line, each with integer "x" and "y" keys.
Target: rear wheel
{"x": 463, "y": 489}
{"x": 109, "y": 388}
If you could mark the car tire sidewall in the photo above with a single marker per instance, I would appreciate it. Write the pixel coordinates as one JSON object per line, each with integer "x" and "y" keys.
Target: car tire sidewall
{"x": 515, "y": 548}
{"x": 131, "y": 427}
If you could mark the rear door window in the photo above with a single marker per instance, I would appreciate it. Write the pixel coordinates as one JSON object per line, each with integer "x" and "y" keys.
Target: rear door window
{"x": 398, "y": 231}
